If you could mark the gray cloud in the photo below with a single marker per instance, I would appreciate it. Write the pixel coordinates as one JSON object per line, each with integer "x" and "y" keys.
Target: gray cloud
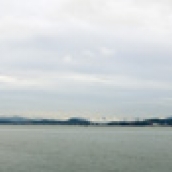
{"x": 108, "y": 56}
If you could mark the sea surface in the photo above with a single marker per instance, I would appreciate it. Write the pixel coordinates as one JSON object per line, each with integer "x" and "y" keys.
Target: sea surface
{"x": 85, "y": 149}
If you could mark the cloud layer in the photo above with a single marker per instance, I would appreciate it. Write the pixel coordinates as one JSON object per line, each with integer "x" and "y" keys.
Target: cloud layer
{"x": 111, "y": 57}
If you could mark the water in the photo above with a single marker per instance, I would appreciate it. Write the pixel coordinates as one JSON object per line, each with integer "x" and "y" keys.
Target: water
{"x": 85, "y": 149}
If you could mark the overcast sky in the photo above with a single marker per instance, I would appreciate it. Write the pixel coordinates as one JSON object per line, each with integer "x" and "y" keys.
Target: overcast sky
{"x": 86, "y": 57}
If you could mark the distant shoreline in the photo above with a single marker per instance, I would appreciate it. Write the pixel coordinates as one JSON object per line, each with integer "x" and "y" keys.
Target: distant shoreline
{"x": 155, "y": 122}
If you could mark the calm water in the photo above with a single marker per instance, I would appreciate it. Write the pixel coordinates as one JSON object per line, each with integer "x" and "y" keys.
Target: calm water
{"x": 85, "y": 149}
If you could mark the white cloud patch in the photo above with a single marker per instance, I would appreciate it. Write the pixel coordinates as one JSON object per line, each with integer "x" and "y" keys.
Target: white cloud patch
{"x": 7, "y": 79}
{"x": 10, "y": 82}
{"x": 106, "y": 51}
{"x": 88, "y": 53}
{"x": 68, "y": 59}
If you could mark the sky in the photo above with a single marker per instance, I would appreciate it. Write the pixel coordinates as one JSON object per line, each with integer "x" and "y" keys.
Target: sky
{"x": 110, "y": 58}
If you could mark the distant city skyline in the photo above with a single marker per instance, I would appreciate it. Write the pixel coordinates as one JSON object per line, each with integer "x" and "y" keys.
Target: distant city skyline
{"x": 62, "y": 58}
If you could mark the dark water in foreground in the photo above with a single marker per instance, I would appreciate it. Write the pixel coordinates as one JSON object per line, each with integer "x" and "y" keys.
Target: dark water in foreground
{"x": 85, "y": 149}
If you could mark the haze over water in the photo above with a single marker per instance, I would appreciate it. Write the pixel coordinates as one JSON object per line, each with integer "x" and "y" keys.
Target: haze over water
{"x": 83, "y": 149}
